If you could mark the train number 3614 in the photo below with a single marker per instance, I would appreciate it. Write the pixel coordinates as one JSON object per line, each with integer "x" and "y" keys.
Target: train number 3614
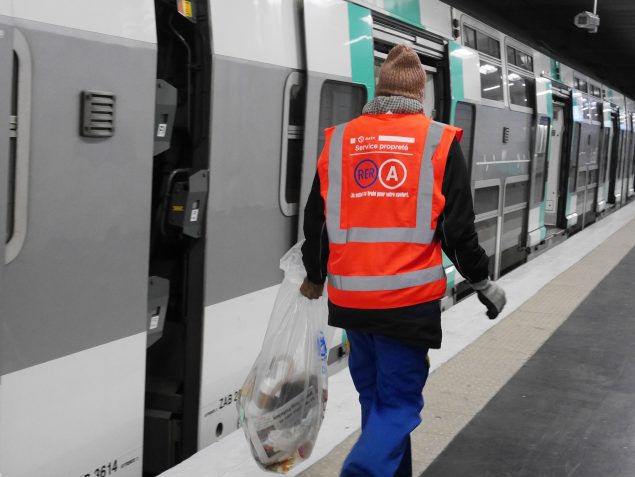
{"x": 103, "y": 471}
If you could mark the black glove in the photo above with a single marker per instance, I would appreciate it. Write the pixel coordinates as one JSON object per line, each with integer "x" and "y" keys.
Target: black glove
{"x": 490, "y": 295}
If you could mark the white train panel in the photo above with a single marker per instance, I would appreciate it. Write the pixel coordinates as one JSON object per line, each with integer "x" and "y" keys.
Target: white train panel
{"x": 47, "y": 430}
{"x": 267, "y": 32}
{"x": 121, "y": 18}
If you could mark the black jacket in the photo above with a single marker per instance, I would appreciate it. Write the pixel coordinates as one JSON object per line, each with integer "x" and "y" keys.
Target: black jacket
{"x": 418, "y": 324}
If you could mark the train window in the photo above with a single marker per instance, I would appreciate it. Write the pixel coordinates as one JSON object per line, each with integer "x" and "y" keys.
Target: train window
{"x": 582, "y": 179}
{"x": 596, "y": 111}
{"x": 481, "y": 42}
{"x": 604, "y": 154}
{"x": 491, "y": 81}
{"x": 339, "y": 102}
{"x": 521, "y": 90}
{"x": 488, "y": 45}
{"x": 486, "y": 230}
{"x": 573, "y": 162}
{"x": 584, "y": 101}
{"x": 525, "y": 61}
{"x": 516, "y": 193}
{"x": 511, "y": 55}
{"x": 593, "y": 177}
{"x": 542, "y": 139}
{"x": 580, "y": 84}
{"x": 485, "y": 199}
{"x": 518, "y": 58}
{"x": 464, "y": 119}
{"x": 595, "y": 91}
{"x": 469, "y": 37}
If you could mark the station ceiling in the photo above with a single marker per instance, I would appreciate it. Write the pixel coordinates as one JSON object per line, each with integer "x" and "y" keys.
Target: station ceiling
{"x": 547, "y": 25}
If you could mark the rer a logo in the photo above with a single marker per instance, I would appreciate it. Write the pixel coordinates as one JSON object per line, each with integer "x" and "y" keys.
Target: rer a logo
{"x": 392, "y": 174}
{"x": 366, "y": 173}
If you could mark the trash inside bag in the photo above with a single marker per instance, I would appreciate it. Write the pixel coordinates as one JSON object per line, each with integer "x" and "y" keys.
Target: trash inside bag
{"x": 283, "y": 399}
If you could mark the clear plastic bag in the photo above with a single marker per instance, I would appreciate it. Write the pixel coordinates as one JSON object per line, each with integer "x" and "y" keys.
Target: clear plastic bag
{"x": 283, "y": 399}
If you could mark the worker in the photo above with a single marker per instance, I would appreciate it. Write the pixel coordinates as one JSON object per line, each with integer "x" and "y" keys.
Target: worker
{"x": 390, "y": 193}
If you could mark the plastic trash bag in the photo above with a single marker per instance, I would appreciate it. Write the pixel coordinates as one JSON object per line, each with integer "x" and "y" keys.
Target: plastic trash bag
{"x": 283, "y": 400}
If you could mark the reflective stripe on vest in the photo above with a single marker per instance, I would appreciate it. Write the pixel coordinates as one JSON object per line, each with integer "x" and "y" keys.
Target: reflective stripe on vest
{"x": 388, "y": 282}
{"x": 422, "y": 233}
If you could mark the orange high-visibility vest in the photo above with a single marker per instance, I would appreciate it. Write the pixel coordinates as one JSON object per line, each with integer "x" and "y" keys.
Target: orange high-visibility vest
{"x": 381, "y": 178}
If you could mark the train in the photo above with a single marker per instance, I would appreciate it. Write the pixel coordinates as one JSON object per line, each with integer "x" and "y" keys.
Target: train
{"x": 155, "y": 157}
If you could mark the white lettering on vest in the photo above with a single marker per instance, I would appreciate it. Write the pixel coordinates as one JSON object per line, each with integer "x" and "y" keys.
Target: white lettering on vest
{"x": 392, "y": 174}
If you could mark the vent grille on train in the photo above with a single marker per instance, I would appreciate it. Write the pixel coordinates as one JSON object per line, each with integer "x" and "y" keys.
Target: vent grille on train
{"x": 98, "y": 114}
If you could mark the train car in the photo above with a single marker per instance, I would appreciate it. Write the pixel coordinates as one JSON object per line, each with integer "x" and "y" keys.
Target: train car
{"x": 158, "y": 154}
{"x": 77, "y": 102}
{"x": 505, "y": 125}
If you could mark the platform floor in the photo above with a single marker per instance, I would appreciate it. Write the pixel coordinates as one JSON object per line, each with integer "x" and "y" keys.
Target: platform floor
{"x": 469, "y": 409}
{"x": 570, "y": 410}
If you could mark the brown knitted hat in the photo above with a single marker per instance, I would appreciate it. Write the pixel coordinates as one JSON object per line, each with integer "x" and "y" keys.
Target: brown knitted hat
{"x": 401, "y": 74}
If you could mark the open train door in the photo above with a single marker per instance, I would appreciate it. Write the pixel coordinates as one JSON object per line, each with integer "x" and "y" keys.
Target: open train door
{"x": 6, "y": 143}
{"x": 338, "y": 40}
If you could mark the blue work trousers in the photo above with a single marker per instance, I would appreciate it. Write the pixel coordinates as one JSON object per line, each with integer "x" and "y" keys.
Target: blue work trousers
{"x": 389, "y": 377}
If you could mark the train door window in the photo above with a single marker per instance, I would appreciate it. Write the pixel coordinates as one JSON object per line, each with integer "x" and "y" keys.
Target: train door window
{"x": 522, "y": 90}
{"x": 339, "y": 102}
{"x": 486, "y": 205}
{"x": 540, "y": 182}
{"x": 606, "y": 134}
{"x": 592, "y": 178}
{"x": 469, "y": 37}
{"x": 573, "y": 162}
{"x": 595, "y": 110}
{"x": 584, "y": 101}
{"x": 485, "y": 200}
{"x": 516, "y": 193}
{"x": 490, "y": 66}
{"x": 293, "y": 138}
{"x": 464, "y": 119}
{"x": 491, "y": 81}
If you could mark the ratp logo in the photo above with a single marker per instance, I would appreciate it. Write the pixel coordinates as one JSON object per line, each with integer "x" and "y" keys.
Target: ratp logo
{"x": 365, "y": 173}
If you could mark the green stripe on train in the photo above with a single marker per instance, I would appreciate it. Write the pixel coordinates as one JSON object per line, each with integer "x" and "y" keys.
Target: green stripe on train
{"x": 450, "y": 275}
{"x": 360, "y": 30}
{"x": 407, "y": 10}
{"x": 456, "y": 78}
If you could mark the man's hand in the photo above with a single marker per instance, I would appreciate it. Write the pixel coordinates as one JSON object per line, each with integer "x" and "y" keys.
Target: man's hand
{"x": 490, "y": 295}
{"x": 311, "y": 290}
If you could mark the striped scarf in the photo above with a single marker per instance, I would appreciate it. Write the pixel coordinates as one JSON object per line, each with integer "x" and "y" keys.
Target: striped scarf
{"x": 393, "y": 105}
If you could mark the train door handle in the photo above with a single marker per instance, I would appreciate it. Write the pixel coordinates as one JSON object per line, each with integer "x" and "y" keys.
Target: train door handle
{"x": 22, "y": 151}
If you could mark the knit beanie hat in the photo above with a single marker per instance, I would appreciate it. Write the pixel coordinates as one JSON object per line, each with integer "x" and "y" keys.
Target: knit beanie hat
{"x": 401, "y": 74}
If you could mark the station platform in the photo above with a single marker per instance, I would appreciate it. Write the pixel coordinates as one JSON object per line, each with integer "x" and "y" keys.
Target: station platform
{"x": 544, "y": 390}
